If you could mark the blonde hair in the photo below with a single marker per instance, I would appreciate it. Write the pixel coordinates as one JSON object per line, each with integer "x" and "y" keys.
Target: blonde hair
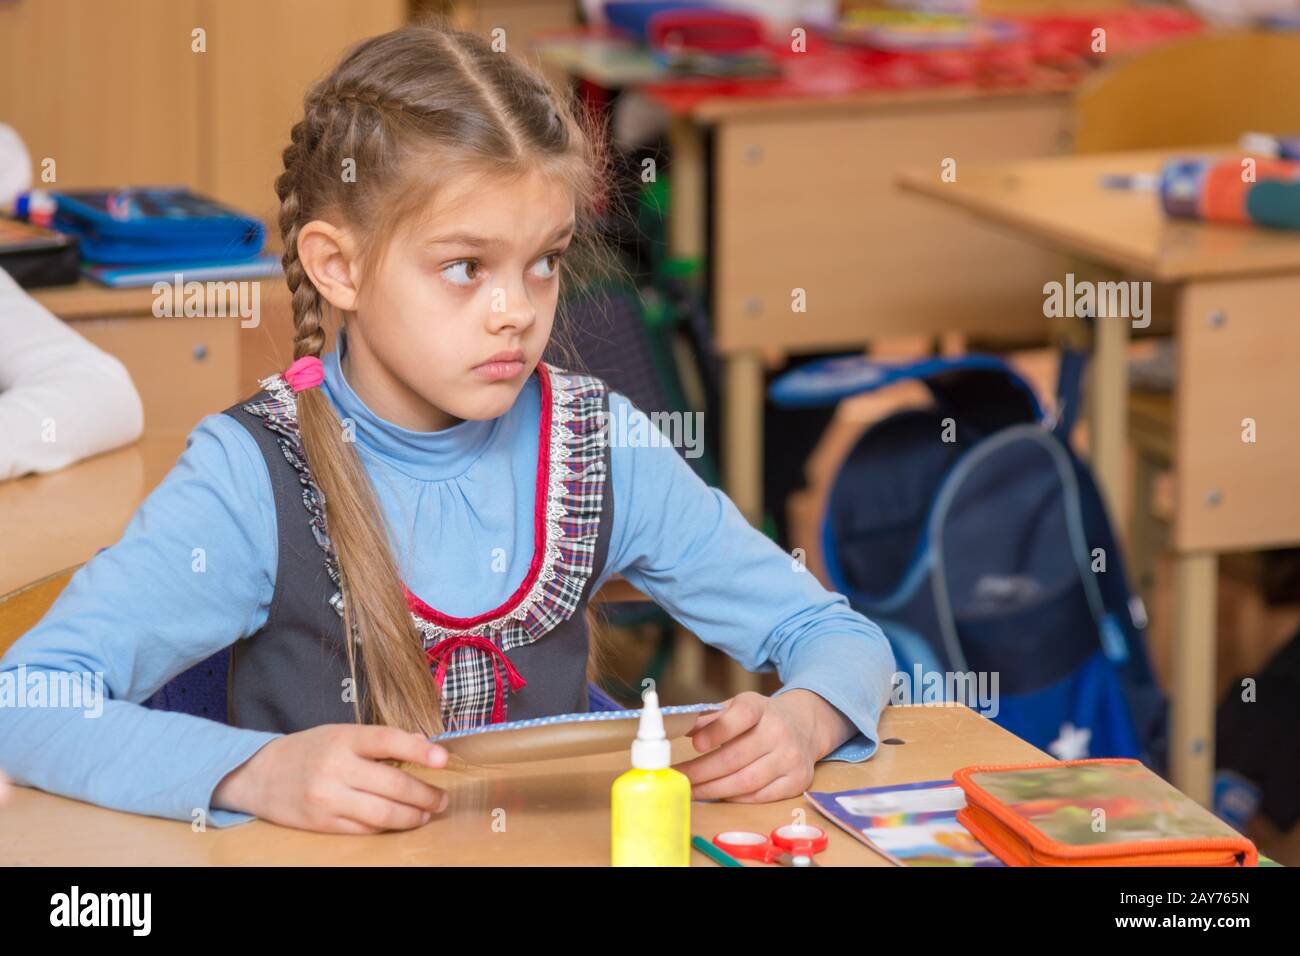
{"x": 411, "y": 109}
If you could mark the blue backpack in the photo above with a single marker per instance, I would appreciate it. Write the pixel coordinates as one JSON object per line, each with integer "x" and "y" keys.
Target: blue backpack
{"x": 974, "y": 536}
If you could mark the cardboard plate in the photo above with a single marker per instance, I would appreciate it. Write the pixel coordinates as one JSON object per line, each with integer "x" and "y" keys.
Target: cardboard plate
{"x": 562, "y": 735}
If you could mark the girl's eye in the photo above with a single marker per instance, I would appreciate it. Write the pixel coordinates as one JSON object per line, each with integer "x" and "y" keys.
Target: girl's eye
{"x": 455, "y": 272}
{"x": 554, "y": 259}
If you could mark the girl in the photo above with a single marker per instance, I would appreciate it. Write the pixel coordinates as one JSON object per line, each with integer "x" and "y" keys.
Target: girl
{"x": 429, "y": 195}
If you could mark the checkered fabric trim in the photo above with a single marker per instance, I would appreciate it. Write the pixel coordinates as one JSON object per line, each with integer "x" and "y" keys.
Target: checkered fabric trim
{"x": 279, "y": 412}
{"x": 473, "y": 687}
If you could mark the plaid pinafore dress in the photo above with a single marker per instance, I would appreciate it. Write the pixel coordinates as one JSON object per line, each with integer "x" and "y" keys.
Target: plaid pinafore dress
{"x": 526, "y": 658}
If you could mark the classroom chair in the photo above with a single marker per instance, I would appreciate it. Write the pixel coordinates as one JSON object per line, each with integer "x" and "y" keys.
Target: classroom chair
{"x": 22, "y": 608}
{"x": 1200, "y": 91}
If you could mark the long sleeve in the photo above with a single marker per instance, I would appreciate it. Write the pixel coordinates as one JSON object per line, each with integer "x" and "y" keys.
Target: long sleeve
{"x": 61, "y": 398}
{"x": 193, "y": 572}
{"x": 688, "y": 547}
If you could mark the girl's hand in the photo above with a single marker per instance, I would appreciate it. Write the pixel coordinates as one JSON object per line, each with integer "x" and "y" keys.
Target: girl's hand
{"x": 4, "y": 788}
{"x": 330, "y": 779}
{"x": 758, "y": 749}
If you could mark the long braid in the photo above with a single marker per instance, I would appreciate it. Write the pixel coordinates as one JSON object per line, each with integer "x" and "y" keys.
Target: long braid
{"x": 306, "y": 298}
{"x": 373, "y": 600}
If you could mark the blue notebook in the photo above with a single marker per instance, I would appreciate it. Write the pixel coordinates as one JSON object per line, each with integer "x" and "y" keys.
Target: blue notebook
{"x": 132, "y": 276}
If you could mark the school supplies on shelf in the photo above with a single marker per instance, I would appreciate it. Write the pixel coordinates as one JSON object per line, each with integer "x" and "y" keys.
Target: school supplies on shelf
{"x": 696, "y": 39}
{"x": 923, "y": 32}
{"x": 562, "y": 735}
{"x": 910, "y": 825}
{"x": 636, "y": 18}
{"x": 36, "y": 257}
{"x": 1093, "y": 813}
{"x": 718, "y": 32}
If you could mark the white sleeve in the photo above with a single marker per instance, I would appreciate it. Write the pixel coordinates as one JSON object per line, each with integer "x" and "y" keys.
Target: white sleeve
{"x": 61, "y": 397}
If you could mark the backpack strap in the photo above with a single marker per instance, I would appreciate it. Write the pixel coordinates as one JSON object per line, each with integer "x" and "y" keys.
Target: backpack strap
{"x": 1069, "y": 392}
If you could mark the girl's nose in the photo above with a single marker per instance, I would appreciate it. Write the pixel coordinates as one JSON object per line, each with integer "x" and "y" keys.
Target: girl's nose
{"x": 510, "y": 308}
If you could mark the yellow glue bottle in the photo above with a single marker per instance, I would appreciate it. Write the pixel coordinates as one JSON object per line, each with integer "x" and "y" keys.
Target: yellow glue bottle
{"x": 650, "y": 811}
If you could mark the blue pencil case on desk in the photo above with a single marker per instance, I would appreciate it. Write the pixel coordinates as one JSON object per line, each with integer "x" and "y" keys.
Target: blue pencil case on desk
{"x": 156, "y": 224}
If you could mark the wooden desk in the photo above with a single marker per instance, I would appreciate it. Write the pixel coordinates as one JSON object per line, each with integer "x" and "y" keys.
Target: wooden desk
{"x": 1236, "y": 295}
{"x": 553, "y": 813}
{"x": 803, "y": 198}
{"x": 56, "y": 520}
{"x": 183, "y": 367}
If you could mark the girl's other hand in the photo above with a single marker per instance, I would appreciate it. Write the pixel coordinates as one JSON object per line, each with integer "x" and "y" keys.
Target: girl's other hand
{"x": 331, "y": 779}
{"x": 758, "y": 749}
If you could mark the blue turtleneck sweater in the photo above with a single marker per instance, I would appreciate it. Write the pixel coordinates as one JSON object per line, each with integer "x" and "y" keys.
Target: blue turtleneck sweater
{"x": 139, "y": 612}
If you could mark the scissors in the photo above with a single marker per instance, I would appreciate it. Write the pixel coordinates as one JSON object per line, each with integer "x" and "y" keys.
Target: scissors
{"x": 794, "y": 844}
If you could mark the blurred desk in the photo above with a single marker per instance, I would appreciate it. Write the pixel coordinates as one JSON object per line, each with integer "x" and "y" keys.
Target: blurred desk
{"x": 558, "y": 812}
{"x": 785, "y": 185}
{"x": 781, "y": 185}
{"x": 56, "y": 520}
{"x": 1236, "y": 293}
{"x": 184, "y": 367}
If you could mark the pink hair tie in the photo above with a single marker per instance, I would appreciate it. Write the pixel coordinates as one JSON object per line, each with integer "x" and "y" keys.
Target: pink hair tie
{"x": 306, "y": 372}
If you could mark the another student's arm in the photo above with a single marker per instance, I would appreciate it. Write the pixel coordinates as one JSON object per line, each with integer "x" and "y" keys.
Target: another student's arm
{"x": 688, "y": 547}
{"x": 193, "y": 572}
{"x": 61, "y": 398}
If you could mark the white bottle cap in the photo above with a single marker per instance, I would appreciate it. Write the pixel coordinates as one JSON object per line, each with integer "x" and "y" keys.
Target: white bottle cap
{"x": 651, "y": 749}
{"x": 1259, "y": 143}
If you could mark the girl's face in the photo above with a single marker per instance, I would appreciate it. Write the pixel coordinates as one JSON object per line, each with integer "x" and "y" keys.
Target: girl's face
{"x": 460, "y": 307}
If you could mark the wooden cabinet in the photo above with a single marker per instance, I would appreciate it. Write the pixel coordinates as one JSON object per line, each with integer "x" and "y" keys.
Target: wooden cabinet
{"x": 108, "y": 91}
{"x": 183, "y": 367}
{"x": 115, "y": 92}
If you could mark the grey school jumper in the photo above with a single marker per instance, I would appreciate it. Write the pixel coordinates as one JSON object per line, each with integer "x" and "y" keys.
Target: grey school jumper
{"x": 293, "y": 673}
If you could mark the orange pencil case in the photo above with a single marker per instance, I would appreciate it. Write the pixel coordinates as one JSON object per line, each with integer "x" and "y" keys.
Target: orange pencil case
{"x": 1100, "y": 812}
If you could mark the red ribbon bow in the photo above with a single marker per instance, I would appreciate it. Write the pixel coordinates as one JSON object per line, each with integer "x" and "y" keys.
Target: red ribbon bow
{"x": 441, "y": 652}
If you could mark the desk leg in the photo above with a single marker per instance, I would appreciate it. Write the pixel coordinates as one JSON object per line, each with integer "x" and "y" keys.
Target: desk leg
{"x": 742, "y": 426}
{"x": 1145, "y": 531}
{"x": 742, "y": 433}
{"x": 686, "y": 239}
{"x": 1107, "y": 435}
{"x": 687, "y": 226}
{"x": 1191, "y": 745}
{"x": 742, "y": 436}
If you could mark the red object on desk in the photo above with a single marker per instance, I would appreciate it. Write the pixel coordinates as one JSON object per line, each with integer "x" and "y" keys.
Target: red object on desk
{"x": 1054, "y": 52}
{"x": 710, "y": 31}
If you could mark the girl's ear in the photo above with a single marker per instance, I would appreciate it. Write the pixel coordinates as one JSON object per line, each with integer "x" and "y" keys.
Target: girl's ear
{"x": 328, "y": 257}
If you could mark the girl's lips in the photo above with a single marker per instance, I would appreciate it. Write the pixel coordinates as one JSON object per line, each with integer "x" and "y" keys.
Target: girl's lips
{"x": 498, "y": 371}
